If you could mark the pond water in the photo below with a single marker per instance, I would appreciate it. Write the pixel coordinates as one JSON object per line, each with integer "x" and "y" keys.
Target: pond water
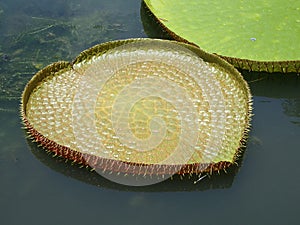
{"x": 38, "y": 189}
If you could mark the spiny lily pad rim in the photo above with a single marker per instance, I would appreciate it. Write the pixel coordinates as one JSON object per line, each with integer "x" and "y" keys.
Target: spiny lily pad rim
{"x": 88, "y": 159}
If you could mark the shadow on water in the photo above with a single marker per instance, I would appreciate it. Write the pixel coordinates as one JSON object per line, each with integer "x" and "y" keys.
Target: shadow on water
{"x": 275, "y": 85}
{"x": 151, "y": 27}
{"x": 67, "y": 168}
{"x": 284, "y": 87}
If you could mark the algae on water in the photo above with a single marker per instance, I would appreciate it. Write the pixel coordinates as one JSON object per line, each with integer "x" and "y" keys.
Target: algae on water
{"x": 36, "y": 35}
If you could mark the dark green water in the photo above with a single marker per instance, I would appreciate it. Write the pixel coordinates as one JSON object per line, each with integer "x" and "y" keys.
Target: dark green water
{"x": 36, "y": 189}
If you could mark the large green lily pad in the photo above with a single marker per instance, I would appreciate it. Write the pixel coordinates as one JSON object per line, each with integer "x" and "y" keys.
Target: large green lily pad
{"x": 255, "y": 35}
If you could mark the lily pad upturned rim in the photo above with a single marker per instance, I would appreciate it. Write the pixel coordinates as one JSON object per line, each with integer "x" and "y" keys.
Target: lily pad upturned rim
{"x": 116, "y": 165}
{"x": 177, "y": 183}
{"x": 286, "y": 66}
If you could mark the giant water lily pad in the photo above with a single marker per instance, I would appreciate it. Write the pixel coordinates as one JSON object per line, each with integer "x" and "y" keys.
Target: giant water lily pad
{"x": 255, "y": 35}
{"x": 140, "y": 106}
